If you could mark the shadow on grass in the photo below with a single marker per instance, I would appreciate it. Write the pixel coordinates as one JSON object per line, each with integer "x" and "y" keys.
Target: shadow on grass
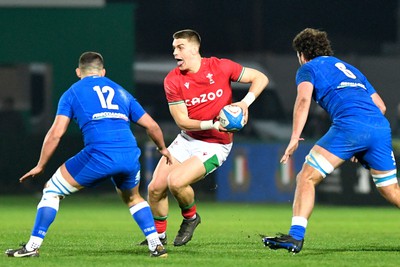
{"x": 325, "y": 251}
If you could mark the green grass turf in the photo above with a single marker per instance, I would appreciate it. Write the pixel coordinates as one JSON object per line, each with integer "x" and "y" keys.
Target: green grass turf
{"x": 99, "y": 231}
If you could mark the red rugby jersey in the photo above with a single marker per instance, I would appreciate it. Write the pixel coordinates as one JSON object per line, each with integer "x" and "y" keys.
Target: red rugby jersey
{"x": 205, "y": 93}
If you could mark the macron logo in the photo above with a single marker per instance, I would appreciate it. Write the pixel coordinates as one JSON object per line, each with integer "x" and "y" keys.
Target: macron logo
{"x": 187, "y": 85}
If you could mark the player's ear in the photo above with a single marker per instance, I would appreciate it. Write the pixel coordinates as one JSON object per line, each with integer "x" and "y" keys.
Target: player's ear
{"x": 103, "y": 72}
{"x": 300, "y": 56}
{"x": 78, "y": 72}
{"x": 195, "y": 50}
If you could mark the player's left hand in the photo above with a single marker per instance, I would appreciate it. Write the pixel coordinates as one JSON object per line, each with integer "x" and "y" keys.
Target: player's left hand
{"x": 32, "y": 173}
{"x": 220, "y": 127}
{"x": 245, "y": 109}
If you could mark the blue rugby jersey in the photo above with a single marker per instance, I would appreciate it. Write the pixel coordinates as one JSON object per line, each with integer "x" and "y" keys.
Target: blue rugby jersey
{"x": 103, "y": 110}
{"x": 341, "y": 89}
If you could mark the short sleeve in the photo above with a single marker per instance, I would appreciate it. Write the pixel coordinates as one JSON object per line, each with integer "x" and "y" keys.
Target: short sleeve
{"x": 305, "y": 74}
{"x": 172, "y": 91}
{"x": 136, "y": 110}
{"x": 370, "y": 89}
{"x": 232, "y": 69}
{"x": 65, "y": 105}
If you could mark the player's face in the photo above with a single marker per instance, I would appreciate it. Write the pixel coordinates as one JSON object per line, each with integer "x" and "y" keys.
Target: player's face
{"x": 184, "y": 52}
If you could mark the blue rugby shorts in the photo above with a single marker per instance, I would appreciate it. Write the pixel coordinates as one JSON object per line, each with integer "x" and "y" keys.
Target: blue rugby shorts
{"x": 371, "y": 144}
{"x": 91, "y": 166}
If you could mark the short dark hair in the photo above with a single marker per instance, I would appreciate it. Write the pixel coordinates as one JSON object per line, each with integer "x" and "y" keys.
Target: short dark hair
{"x": 91, "y": 60}
{"x": 312, "y": 43}
{"x": 188, "y": 34}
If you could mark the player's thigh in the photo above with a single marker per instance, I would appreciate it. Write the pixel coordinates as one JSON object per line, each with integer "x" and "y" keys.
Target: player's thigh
{"x": 334, "y": 160}
{"x": 340, "y": 143}
{"x": 318, "y": 164}
{"x": 86, "y": 168}
{"x": 212, "y": 155}
{"x": 206, "y": 158}
{"x": 189, "y": 172}
{"x": 68, "y": 178}
{"x": 127, "y": 179}
{"x": 159, "y": 181}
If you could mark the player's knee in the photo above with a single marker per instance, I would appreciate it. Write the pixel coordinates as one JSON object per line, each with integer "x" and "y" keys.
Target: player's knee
{"x": 156, "y": 192}
{"x": 391, "y": 193}
{"x": 301, "y": 178}
{"x": 175, "y": 184}
{"x": 387, "y": 184}
{"x": 309, "y": 176}
{"x": 320, "y": 163}
{"x": 58, "y": 187}
{"x": 151, "y": 188}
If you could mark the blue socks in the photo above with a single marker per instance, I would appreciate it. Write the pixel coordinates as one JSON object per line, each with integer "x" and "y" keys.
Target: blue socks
{"x": 141, "y": 213}
{"x": 298, "y": 228}
{"x": 44, "y": 218}
{"x": 297, "y": 232}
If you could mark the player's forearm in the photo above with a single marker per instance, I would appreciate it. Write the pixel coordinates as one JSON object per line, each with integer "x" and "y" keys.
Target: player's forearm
{"x": 49, "y": 146}
{"x": 156, "y": 135}
{"x": 259, "y": 82}
{"x": 197, "y": 125}
{"x": 300, "y": 114}
{"x": 190, "y": 125}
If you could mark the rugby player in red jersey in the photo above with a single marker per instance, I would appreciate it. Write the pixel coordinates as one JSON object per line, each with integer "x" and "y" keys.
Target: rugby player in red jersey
{"x": 196, "y": 90}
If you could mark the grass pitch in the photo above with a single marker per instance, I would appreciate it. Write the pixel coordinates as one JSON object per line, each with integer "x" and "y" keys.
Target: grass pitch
{"x": 99, "y": 231}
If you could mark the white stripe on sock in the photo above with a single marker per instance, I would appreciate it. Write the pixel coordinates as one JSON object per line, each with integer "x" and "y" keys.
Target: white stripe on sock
{"x": 298, "y": 220}
{"x": 138, "y": 207}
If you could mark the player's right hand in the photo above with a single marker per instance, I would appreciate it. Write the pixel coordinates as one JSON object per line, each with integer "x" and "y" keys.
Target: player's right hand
{"x": 165, "y": 152}
{"x": 32, "y": 173}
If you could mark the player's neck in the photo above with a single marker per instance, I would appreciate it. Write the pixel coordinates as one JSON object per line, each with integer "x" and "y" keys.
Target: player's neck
{"x": 195, "y": 66}
{"x": 90, "y": 74}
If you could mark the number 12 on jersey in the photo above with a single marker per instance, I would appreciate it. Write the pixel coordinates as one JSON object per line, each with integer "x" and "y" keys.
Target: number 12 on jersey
{"x": 106, "y": 102}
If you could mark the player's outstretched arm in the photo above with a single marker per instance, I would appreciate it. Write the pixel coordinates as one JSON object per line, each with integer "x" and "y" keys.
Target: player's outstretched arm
{"x": 300, "y": 114}
{"x": 155, "y": 133}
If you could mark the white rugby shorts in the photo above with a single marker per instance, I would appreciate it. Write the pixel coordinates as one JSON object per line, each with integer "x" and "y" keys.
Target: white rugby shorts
{"x": 211, "y": 154}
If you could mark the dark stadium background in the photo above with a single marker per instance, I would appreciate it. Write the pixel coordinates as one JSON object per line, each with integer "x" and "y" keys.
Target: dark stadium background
{"x": 257, "y": 33}
{"x": 259, "y": 26}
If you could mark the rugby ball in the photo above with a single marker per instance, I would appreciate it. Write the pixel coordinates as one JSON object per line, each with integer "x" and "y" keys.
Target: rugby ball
{"x": 231, "y": 118}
